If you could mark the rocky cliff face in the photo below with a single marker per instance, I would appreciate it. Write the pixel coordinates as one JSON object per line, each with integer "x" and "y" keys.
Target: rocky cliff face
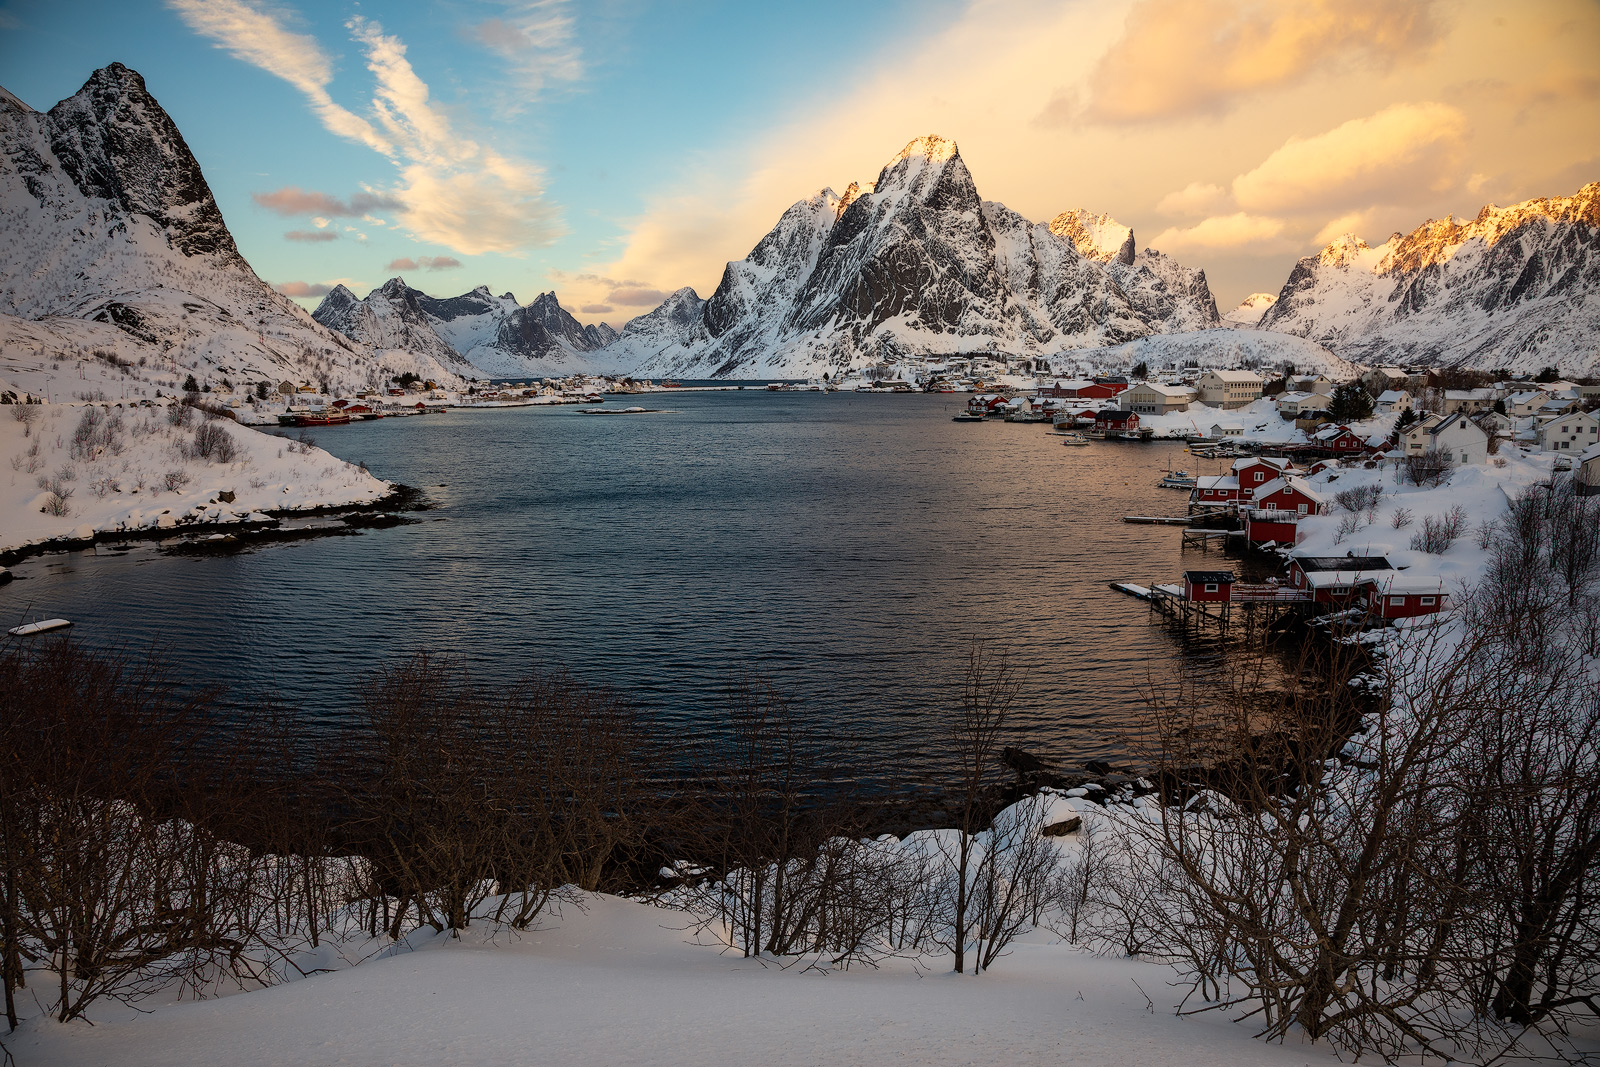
{"x": 917, "y": 263}
{"x": 485, "y": 334}
{"x": 1516, "y": 287}
{"x": 114, "y": 243}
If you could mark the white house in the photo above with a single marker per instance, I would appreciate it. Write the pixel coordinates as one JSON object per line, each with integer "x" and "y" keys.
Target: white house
{"x": 1390, "y": 401}
{"x": 1147, "y": 398}
{"x": 1588, "y": 473}
{"x": 1415, "y": 440}
{"x": 1459, "y": 440}
{"x": 1229, "y": 388}
{"x": 1301, "y": 405}
{"x": 1468, "y": 401}
{"x": 1576, "y": 431}
{"x": 1525, "y": 403}
{"x": 1316, "y": 383}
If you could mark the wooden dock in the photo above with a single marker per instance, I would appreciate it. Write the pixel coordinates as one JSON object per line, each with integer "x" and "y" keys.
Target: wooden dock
{"x": 1158, "y": 520}
{"x": 1194, "y": 537}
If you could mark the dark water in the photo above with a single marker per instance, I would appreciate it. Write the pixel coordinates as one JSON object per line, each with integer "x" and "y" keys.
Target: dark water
{"x": 844, "y": 546}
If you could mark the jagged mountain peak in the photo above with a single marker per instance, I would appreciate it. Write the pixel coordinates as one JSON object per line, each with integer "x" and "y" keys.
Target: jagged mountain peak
{"x": 922, "y": 168}
{"x": 1513, "y": 287}
{"x": 1099, "y": 237}
{"x": 9, "y": 101}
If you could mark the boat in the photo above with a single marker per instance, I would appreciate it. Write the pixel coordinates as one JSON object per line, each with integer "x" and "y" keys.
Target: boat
{"x": 322, "y": 418}
{"x": 1176, "y": 480}
{"x": 1027, "y": 416}
{"x": 1071, "y": 439}
{"x": 969, "y": 416}
{"x": 42, "y": 627}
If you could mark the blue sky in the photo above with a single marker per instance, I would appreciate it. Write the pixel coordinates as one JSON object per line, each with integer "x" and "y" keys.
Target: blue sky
{"x": 614, "y": 150}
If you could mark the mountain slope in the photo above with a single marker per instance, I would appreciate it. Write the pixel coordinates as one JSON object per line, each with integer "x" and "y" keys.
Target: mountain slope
{"x": 115, "y": 246}
{"x": 917, "y": 263}
{"x": 1516, "y": 287}
{"x": 486, "y": 334}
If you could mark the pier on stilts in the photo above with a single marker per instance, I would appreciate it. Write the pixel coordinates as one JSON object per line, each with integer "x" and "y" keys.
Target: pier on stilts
{"x": 1216, "y": 598}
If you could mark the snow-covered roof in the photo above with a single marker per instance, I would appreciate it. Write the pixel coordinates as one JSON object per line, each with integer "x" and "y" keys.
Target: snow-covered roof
{"x": 1176, "y": 392}
{"x": 1275, "y": 462}
{"x": 1288, "y": 481}
{"x": 1398, "y": 582}
{"x": 1590, "y": 453}
{"x": 1217, "y": 481}
{"x": 1342, "y": 578}
{"x": 1240, "y": 376}
{"x": 1393, "y": 396}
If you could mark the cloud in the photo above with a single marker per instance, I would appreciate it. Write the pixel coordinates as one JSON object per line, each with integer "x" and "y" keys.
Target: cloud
{"x": 1399, "y": 155}
{"x": 536, "y": 38}
{"x": 1238, "y": 230}
{"x": 633, "y": 297}
{"x": 1178, "y": 58}
{"x": 453, "y": 191}
{"x": 596, "y": 309}
{"x": 303, "y": 288}
{"x": 1196, "y": 198}
{"x": 292, "y": 200}
{"x": 423, "y": 263}
{"x": 1354, "y": 222}
{"x": 257, "y": 38}
{"x": 311, "y": 236}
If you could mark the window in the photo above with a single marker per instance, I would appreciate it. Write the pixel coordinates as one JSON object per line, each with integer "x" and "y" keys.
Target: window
{"x": 1259, "y": 475}
{"x": 1269, "y": 506}
{"x": 1302, "y": 509}
{"x": 1211, "y": 587}
{"x": 1397, "y": 602}
{"x": 1426, "y": 601}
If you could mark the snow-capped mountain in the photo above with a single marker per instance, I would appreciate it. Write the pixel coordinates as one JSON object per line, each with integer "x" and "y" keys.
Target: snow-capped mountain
{"x": 1250, "y": 309}
{"x": 1516, "y": 287}
{"x": 115, "y": 248}
{"x": 487, "y": 334}
{"x": 917, "y": 263}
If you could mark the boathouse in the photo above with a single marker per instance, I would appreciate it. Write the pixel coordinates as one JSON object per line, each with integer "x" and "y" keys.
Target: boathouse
{"x": 1253, "y": 472}
{"x": 1214, "y": 489}
{"x": 1270, "y": 527}
{"x": 1208, "y": 587}
{"x": 1330, "y": 578}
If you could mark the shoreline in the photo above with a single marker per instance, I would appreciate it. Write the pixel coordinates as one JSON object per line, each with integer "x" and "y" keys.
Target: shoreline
{"x": 400, "y": 498}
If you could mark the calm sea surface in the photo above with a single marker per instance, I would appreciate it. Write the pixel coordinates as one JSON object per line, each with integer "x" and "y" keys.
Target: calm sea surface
{"x": 846, "y": 547}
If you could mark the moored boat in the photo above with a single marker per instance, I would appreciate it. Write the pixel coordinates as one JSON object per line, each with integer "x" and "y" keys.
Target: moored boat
{"x": 43, "y": 626}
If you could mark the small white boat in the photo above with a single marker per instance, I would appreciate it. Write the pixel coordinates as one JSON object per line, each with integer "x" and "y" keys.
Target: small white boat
{"x": 42, "y": 627}
{"x": 1177, "y": 480}
{"x": 1072, "y": 439}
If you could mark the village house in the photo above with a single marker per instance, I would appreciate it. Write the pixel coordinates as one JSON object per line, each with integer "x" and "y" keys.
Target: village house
{"x": 1229, "y": 388}
{"x": 1289, "y": 493}
{"x": 1588, "y": 472}
{"x": 1224, "y": 430}
{"x": 1214, "y": 489}
{"x": 1330, "y": 579}
{"x": 1468, "y": 401}
{"x": 1339, "y": 440}
{"x": 1522, "y": 404}
{"x": 1399, "y": 595}
{"x": 1414, "y": 439}
{"x": 1084, "y": 390}
{"x": 1378, "y": 379}
{"x": 1252, "y": 472}
{"x": 1575, "y": 431}
{"x": 1208, "y": 587}
{"x": 1112, "y": 420}
{"x": 1147, "y": 398}
{"x": 1459, "y": 439}
{"x": 1270, "y": 527}
{"x": 1391, "y": 401}
{"x": 1300, "y": 405}
{"x": 1557, "y": 405}
{"x": 1316, "y": 383}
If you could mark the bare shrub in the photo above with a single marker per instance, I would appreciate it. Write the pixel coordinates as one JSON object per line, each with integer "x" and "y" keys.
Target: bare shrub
{"x": 27, "y": 414}
{"x": 1439, "y": 532}
{"x": 96, "y": 433}
{"x": 174, "y": 480}
{"x": 179, "y": 414}
{"x": 1359, "y": 498}
{"x": 1348, "y": 524}
{"x": 1426, "y": 468}
{"x": 213, "y": 441}
{"x": 1401, "y": 518}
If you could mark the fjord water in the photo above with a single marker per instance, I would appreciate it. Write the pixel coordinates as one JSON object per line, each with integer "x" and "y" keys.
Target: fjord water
{"x": 844, "y": 546}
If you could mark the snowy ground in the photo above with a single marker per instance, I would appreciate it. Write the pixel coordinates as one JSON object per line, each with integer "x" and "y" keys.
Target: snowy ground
{"x": 621, "y": 982}
{"x": 140, "y": 473}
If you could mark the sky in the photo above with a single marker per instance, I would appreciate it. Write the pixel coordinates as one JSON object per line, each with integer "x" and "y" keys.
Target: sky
{"x": 615, "y": 150}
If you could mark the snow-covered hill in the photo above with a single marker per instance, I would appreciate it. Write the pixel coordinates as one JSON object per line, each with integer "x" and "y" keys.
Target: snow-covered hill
{"x": 1224, "y": 348}
{"x": 487, "y": 334}
{"x": 1516, "y": 287}
{"x": 1250, "y": 309}
{"x": 118, "y": 271}
{"x": 917, "y": 263}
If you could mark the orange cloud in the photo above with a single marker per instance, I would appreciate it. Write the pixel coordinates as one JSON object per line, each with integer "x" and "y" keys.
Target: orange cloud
{"x": 1398, "y": 155}
{"x": 1188, "y": 57}
{"x": 1219, "y": 231}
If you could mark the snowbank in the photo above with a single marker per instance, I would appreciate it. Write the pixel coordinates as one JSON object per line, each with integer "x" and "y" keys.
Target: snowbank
{"x": 110, "y": 468}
